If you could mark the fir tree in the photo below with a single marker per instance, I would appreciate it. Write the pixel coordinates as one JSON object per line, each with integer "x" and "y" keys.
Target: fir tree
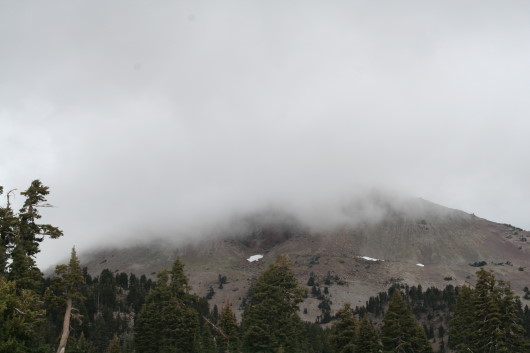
{"x": 488, "y": 318}
{"x": 114, "y": 345}
{"x": 229, "y": 339}
{"x": 461, "y": 325}
{"x": 69, "y": 283}
{"x": 400, "y": 332}
{"x": 368, "y": 338}
{"x": 27, "y": 236}
{"x": 168, "y": 322}
{"x": 82, "y": 345}
{"x": 270, "y": 319}
{"x": 21, "y": 316}
{"x": 344, "y": 330}
{"x": 21, "y": 310}
{"x": 497, "y": 327}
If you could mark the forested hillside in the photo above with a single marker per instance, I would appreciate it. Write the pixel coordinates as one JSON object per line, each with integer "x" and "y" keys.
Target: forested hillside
{"x": 119, "y": 312}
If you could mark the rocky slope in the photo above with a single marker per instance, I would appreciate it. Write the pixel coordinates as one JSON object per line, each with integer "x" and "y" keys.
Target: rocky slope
{"x": 415, "y": 242}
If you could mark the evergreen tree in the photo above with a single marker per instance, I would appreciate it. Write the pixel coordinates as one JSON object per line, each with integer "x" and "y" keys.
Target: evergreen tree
{"x": 7, "y": 232}
{"x": 400, "y": 332}
{"x": 82, "y": 345}
{"x": 270, "y": 318}
{"x": 368, "y": 338}
{"x": 168, "y": 322}
{"x": 461, "y": 325}
{"x": 497, "y": 327}
{"x": 488, "y": 318}
{"x": 21, "y": 316}
{"x": 229, "y": 339}
{"x": 21, "y": 310}
{"x": 27, "y": 236}
{"x": 69, "y": 283}
{"x": 344, "y": 330}
{"x": 511, "y": 314}
{"x": 114, "y": 345}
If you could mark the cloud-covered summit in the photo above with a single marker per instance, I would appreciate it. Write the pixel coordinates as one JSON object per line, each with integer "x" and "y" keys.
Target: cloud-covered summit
{"x": 146, "y": 118}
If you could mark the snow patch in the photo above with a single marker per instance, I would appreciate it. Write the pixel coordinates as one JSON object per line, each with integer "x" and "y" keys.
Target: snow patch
{"x": 421, "y": 265}
{"x": 254, "y": 258}
{"x": 369, "y": 258}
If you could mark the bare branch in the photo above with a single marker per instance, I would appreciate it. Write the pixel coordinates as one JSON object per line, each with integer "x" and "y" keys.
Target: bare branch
{"x": 19, "y": 311}
{"x": 10, "y": 192}
{"x": 218, "y": 329}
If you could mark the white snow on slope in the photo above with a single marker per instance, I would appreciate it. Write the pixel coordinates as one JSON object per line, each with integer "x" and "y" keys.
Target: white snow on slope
{"x": 254, "y": 258}
{"x": 421, "y": 265}
{"x": 369, "y": 258}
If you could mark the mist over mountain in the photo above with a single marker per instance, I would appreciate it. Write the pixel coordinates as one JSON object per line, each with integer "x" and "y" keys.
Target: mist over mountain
{"x": 379, "y": 240}
{"x": 167, "y": 118}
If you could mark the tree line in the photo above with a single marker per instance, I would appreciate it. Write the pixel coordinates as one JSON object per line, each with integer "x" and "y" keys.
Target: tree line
{"x": 121, "y": 313}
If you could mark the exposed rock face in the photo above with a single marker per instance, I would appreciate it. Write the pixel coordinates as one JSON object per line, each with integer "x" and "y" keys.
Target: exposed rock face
{"x": 413, "y": 233}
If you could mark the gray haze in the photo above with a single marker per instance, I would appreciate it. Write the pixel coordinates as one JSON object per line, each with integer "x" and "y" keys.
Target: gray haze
{"x": 163, "y": 117}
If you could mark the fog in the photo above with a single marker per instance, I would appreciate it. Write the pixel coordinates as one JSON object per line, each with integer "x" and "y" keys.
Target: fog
{"x": 151, "y": 119}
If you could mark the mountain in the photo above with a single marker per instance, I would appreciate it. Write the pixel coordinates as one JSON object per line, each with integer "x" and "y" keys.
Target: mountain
{"x": 378, "y": 243}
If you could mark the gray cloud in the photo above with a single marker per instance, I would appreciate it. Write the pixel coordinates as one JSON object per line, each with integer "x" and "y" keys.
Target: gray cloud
{"x": 163, "y": 117}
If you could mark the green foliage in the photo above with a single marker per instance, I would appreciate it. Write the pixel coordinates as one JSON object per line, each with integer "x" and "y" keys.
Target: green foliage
{"x": 21, "y": 318}
{"x": 21, "y": 310}
{"x": 168, "y": 322}
{"x": 270, "y": 319}
{"x": 461, "y": 326}
{"x": 487, "y": 318}
{"x": 82, "y": 345}
{"x": 228, "y": 324}
{"x": 69, "y": 280}
{"x": 400, "y": 332}
{"x": 344, "y": 330}
{"x": 21, "y": 235}
{"x": 114, "y": 345}
{"x": 368, "y": 338}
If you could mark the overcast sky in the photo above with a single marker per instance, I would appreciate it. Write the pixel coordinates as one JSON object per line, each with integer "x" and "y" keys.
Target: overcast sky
{"x": 151, "y": 117}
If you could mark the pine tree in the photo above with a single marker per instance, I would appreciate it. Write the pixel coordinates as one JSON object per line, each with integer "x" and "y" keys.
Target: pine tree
{"x": 368, "y": 338}
{"x": 511, "y": 314}
{"x": 168, "y": 322}
{"x": 497, "y": 327}
{"x": 229, "y": 339}
{"x": 21, "y": 311}
{"x": 7, "y": 232}
{"x": 27, "y": 235}
{"x": 400, "y": 332}
{"x": 82, "y": 345}
{"x": 21, "y": 316}
{"x": 114, "y": 345}
{"x": 70, "y": 283}
{"x": 488, "y": 318}
{"x": 344, "y": 330}
{"x": 270, "y": 319}
{"x": 461, "y": 325}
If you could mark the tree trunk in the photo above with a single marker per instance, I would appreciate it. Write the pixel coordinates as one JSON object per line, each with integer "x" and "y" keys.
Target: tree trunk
{"x": 66, "y": 326}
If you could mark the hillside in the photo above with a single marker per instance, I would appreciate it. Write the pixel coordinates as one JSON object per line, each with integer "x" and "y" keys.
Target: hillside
{"x": 415, "y": 242}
